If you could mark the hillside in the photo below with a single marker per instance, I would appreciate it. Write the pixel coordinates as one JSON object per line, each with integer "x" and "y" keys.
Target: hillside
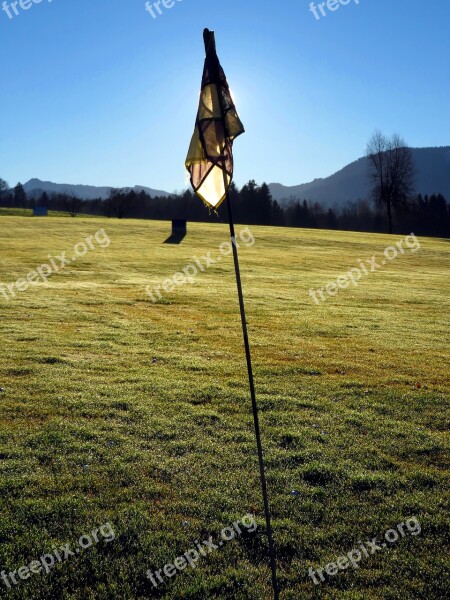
{"x": 352, "y": 183}
{"x": 35, "y": 188}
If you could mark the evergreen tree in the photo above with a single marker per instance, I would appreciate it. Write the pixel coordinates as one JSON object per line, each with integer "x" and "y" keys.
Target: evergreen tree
{"x": 264, "y": 205}
{"x": 44, "y": 200}
{"x": 20, "y": 196}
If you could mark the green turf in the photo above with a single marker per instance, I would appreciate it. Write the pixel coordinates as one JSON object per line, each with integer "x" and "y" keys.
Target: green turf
{"x": 15, "y": 212}
{"x": 118, "y": 409}
{"x": 28, "y": 212}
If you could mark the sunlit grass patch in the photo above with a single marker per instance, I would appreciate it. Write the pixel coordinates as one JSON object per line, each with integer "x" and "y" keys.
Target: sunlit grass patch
{"x": 117, "y": 408}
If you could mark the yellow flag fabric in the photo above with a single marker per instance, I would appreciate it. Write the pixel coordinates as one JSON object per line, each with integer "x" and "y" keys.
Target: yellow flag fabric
{"x": 210, "y": 156}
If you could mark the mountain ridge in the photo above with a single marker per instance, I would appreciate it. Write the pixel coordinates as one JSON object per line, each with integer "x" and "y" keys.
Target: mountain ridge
{"x": 35, "y": 187}
{"x": 351, "y": 183}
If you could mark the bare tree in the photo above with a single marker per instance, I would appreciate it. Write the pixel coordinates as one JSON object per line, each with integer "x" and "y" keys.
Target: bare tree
{"x": 4, "y": 187}
{"x": 72, "y": 204}
{"x": 119, "y": 202}
{"x": 392, "y": 171}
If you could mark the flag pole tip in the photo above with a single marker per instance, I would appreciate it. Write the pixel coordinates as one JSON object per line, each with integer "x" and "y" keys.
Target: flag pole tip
{"x": 209, "y": 38}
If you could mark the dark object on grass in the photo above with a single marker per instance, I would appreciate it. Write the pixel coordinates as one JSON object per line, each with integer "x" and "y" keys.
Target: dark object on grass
{"x": 179, "y": 231}
{"x": 40, "y": 211}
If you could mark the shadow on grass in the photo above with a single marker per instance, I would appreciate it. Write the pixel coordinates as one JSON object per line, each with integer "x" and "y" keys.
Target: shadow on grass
{"x": 175, "y": 238}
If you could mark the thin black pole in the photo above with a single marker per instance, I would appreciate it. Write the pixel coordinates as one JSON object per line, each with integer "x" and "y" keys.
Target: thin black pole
{"x": 273, "y": 562}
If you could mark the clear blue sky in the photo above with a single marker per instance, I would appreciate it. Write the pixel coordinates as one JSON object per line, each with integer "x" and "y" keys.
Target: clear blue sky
{"x": 98, "y": 92}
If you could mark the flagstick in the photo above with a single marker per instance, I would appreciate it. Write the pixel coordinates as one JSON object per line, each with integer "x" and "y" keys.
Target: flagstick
{"x": 209, "y": 39}
{"x": 273, "y": 563}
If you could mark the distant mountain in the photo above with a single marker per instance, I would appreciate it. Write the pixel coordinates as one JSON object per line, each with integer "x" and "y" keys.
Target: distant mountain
{"x": 352, "y": 183}
{"x": 347, "y": 185}
{"x": 35, "y": 187}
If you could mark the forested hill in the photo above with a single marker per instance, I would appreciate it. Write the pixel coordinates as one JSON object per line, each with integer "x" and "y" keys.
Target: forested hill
{"x": 351, "y": 183}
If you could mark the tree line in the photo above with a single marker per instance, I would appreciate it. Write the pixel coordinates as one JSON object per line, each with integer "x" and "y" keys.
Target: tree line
{"x": 394, "y": 204}
{"x": 253, "y": 205}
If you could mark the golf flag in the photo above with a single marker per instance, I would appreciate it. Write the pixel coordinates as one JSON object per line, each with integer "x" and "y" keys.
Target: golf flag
{"x": 210, "y": 157}
{"x": 210, "y": 164}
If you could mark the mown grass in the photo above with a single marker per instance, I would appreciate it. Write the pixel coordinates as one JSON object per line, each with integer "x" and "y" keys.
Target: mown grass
{"x": 117, "y": 409}
{"x": 28, "y": 212}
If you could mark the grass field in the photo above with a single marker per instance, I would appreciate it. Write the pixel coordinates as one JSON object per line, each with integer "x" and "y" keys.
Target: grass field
{"x": 27, "y": 212}
{"x": 117, "y": 409}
